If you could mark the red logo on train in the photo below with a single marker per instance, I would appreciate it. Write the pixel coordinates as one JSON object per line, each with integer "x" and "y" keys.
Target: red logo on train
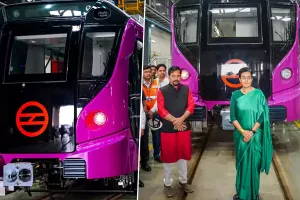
{"x": 234, "y": 75}
{"x": 29, "y": 119}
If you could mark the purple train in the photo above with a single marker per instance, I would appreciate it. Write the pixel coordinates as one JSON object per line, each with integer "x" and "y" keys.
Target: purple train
{"x": 213, "y": 39}
{"x": 70, "y": 84}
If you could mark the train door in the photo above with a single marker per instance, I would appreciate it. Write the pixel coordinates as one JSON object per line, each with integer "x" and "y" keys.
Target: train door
{"x": 135, "y": 67}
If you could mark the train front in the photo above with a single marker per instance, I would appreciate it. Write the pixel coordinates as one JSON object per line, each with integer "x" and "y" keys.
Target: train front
{"x": 64, "y": 93}
{"x": 213, "y": 39}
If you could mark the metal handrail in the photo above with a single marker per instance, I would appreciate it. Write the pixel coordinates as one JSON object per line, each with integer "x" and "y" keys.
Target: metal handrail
{"x": 162, "y": 60}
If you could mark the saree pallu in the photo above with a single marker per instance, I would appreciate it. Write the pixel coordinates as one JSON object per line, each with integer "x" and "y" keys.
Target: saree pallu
{"x": 254, "y": 156}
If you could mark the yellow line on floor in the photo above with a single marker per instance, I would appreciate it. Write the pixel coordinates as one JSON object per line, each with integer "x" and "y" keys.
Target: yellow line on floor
{"x": 297, "y": 124}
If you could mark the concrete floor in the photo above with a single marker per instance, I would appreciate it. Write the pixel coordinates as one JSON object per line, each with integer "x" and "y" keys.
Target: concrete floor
{"x": 287, "y": 145}
{"x": 215, "y": 176}
{"x": 154, "y": 180}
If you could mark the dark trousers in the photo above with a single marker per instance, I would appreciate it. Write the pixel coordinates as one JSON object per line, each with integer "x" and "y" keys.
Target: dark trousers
{"x": 156, "y": 139}
{"x": 144, "y": 149}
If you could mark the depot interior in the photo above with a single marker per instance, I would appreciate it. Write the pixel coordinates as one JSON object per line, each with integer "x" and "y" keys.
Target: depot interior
{"x": 285, "y": 136}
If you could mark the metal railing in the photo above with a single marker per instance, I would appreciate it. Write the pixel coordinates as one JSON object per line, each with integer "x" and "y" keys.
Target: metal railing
{"x": 162, "y": 6}
{"x": 161, "y": 60}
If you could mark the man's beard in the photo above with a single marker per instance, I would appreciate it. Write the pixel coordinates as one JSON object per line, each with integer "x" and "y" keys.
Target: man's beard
{"x": 175, "y": 83}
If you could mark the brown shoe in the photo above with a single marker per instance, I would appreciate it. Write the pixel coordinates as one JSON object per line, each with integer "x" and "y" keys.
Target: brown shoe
{"x": 187, "y": 187}
{"x": 168, "y": 191}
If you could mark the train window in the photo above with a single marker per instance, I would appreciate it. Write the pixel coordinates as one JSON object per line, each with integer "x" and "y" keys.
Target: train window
{"x": 234, "y": 24}
{"x": 96, "y": 50}
{"x": 281, "y": 23}
{"x": 188, "y": 25}
{"x": 38, "y": 54}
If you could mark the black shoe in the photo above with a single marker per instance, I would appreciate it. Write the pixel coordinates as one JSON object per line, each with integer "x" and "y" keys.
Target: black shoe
{"x": 141, "y": 184}
{"x": 157, "y": 159}
{"x": 146, "y": 167}
{"x": 236, "y": 197}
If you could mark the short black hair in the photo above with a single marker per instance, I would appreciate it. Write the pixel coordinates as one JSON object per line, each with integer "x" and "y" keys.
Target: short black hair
{"x": 152, "y": 66}
{"x": 243, "y": 70}
{"x": 146, "y": 67}
{"x": 161, "y": 65}
{"x": 173, "y": 69}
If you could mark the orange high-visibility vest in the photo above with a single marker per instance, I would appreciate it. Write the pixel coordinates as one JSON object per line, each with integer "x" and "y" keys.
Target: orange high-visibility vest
{"x": 151, "y": 94}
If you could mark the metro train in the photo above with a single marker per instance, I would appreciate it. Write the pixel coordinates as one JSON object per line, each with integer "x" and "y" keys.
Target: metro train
{"x": 70, "y": 84}
{"x": 213, "y": 39}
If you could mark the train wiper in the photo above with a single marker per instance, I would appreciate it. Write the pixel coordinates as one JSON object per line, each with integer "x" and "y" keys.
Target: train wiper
{"x": 181, "y": 45}
{"x": 102, "y": 80}
{"x": 288, "y": 42}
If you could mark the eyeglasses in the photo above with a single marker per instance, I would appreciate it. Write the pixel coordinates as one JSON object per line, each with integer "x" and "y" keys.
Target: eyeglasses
{"x": 246, "y": 78}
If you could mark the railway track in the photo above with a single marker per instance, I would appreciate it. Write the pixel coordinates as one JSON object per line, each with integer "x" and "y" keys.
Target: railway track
{"x": 59, "y": 196}
{"x": 194, "y": 163}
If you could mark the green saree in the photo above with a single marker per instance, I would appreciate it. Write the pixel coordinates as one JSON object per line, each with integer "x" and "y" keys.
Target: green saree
{"x": 254, "y": 156}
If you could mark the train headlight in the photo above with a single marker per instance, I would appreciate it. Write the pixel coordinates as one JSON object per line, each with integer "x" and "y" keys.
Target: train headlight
{"x": 185, "y": 74}
{"x": 99, "y": 118}
{"x": 96, "y": 119}
{"x": 286, "y": 73}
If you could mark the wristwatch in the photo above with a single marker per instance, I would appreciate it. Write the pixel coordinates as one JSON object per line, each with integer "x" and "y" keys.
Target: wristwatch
{"x": 253, "y": 131}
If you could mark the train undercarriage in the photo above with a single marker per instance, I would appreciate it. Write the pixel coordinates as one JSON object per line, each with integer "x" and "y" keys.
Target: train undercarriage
{"x": 49, "y": 175}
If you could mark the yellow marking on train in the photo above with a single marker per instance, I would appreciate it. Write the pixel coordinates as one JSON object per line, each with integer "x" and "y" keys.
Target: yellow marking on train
{"x": 297, "y": 124}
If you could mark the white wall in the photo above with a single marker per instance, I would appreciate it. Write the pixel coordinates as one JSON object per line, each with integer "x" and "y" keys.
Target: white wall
{"x": 246, "y": 28}
{"x": 160, "y": 43}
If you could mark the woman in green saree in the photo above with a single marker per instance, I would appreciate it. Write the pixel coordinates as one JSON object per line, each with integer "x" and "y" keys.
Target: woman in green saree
{"x": 249, "y": 113}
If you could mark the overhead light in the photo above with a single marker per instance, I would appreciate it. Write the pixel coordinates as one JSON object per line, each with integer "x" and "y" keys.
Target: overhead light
{"x": 158, "y": 4}
{"x": 75, "y": 28}
{"x": 68, "y": 13}
{"x": 245, "y": 10}
{"x": 54, "y": 12}
{"x": 286, "y": 19}
{"x": 153, "y": 41}
{"x": 48, "y": 6}
{"x": 77, "y": 13}
{"x": 230, "y": 10}
{"x": 152, "y": 25}
{"x": 215, "y": 11}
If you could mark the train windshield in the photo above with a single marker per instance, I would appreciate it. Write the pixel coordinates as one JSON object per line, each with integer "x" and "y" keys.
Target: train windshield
{"x": 234, "y": 24}
{"x": 97, "y": 50}
{"x": 33, "y": 55}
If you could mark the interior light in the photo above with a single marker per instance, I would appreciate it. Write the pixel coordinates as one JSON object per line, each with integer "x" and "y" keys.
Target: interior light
{"x": 68, "y": 13}
{"x": 48, "y": 6}
{"x": 77, "y": 13}
{"x": 54, "y": 12}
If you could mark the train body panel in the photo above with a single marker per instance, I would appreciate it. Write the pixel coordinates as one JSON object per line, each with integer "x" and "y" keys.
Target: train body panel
{"x": 212, "y": 62}
{"x": 102, "y": 136}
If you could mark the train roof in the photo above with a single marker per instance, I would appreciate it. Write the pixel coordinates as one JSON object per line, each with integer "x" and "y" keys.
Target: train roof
{"x": 197, "y": 2}
{"x": 91, "y": 11}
